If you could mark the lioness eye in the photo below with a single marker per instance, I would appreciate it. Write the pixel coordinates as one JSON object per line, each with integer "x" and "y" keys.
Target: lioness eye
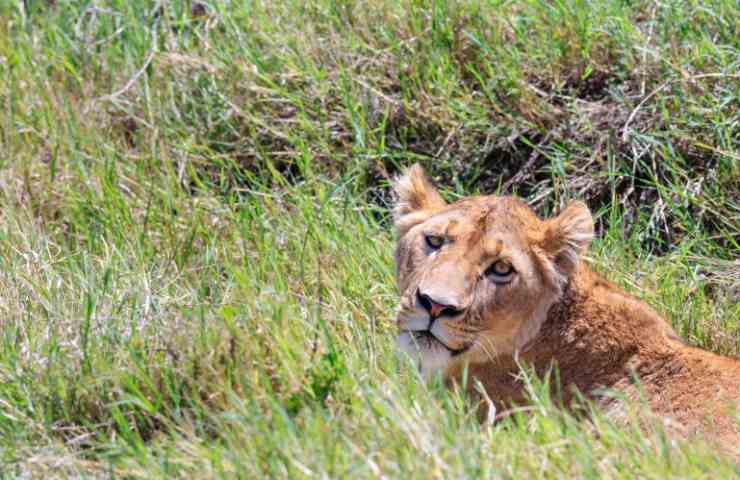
{"x": 434, "y": 241}
{"x": 500, "y": 271}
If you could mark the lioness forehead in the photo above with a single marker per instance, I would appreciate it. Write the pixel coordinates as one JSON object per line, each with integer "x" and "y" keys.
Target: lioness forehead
{"x": 480, "y": 214}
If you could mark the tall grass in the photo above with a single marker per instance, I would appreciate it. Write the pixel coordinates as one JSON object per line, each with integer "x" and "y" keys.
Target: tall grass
{"x": 196, "y": 271}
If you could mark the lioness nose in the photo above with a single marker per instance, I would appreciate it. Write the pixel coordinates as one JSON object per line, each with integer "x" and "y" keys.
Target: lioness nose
{"x": 435, "y": 308}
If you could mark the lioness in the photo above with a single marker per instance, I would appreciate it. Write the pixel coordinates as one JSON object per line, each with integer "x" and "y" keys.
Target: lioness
{"x": 485, "y": 285}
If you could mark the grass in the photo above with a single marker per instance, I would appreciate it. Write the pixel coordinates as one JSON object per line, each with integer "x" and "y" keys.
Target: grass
{"x": 196, "y": 274}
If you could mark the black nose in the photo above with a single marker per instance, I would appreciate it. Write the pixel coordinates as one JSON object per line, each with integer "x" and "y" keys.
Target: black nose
{"x": 436, "y": 309}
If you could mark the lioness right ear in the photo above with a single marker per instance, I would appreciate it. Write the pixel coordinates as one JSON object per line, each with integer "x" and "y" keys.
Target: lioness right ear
{"x": 416, "y": 198}
{"x": 568, "y": 235}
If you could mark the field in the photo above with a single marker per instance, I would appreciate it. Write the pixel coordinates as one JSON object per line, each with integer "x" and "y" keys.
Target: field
{"x": 196, "y": 269}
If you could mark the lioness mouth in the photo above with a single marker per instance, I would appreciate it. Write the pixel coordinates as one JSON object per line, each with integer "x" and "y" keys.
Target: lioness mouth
{"x": 426, "y": 337}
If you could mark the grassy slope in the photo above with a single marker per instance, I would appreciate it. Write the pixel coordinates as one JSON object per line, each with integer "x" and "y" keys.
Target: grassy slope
{"x": 195, "y": 265}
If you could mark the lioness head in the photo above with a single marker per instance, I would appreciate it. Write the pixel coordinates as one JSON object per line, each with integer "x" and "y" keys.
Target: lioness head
{"x": 477, "y": 277}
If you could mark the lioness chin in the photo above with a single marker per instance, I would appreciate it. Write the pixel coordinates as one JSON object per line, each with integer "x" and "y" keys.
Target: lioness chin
{"x": 486, "y": 285}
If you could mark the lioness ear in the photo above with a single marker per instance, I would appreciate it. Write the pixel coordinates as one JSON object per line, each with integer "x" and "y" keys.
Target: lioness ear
{"x": 417, "y": 199}
{"x": 568, "y": 236}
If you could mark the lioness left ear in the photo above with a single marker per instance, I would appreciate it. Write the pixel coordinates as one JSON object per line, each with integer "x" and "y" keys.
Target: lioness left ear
{"x": 417, "y": 199}
{"x": 568, "y": 235}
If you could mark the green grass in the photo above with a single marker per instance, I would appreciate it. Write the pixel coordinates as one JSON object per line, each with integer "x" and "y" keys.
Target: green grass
{"x": 196, "y": 273}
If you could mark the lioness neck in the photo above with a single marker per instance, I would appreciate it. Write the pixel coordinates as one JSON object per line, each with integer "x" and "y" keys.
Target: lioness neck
{"x": 599, "y": 337}
{"x": 597, "y": 317}
{"x": 595, "y": 335}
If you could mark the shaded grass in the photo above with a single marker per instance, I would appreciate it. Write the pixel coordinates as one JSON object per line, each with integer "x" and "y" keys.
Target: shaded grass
{"x": 569, "y": 90}
{"x": 195, "y": 264}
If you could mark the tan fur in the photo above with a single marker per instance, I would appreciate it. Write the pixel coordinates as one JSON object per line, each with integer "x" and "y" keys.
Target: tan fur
{"x": 554, "y": 312}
